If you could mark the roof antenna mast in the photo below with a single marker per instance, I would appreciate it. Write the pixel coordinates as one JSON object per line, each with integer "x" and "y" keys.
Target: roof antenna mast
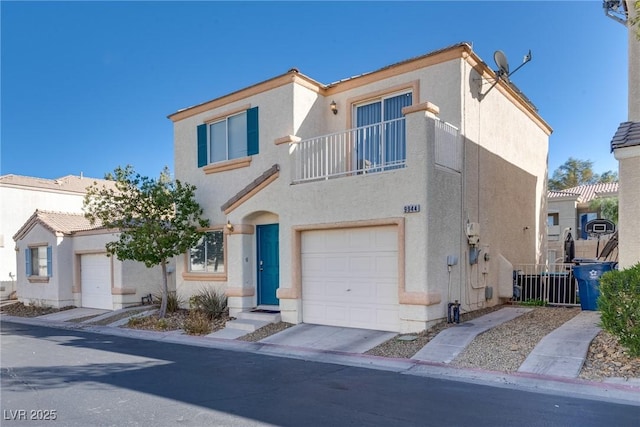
{"x": 503, "y": 69}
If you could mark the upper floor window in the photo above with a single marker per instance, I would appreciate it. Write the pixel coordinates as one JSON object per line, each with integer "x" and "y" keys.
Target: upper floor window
{"x": 381, "y": 140}
{"x": 38, "y": 261}
{"x": 228, "y": 138}
{"x": 553, "y": 219}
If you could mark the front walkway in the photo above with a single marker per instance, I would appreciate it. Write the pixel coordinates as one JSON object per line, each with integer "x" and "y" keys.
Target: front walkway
{"x": 563, "y": 352}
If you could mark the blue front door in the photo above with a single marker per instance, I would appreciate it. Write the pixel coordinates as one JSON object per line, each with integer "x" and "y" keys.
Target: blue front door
{"x": 268, "y": 263}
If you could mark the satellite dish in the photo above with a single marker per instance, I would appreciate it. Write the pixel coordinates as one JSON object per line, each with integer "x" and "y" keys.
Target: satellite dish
{"x": 501, "y": 61}
{"x": 503, "y": 69}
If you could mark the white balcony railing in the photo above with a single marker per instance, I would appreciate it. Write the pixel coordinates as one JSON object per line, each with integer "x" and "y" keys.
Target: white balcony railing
{"x": 368, "y": 149}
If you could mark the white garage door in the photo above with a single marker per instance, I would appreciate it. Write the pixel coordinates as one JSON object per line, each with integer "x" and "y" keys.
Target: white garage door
{"x": 350, "y": 277}
{"x": 95, "y": 276}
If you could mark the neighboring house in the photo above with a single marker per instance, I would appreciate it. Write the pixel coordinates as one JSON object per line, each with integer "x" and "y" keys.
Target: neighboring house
{"x": 372, "y": 202}
{"x": 63, "y": 262}
{"x": 626, "y": 142}
{"x": 570, "y": 210}
{"x": 19, "y": 197}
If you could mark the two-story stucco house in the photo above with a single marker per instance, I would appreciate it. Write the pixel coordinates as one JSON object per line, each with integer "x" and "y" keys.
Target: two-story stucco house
{"x": 372, "y": 202}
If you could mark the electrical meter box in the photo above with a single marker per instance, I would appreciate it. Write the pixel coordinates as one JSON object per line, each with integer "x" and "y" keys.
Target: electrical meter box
{"x": 473, "y": 232}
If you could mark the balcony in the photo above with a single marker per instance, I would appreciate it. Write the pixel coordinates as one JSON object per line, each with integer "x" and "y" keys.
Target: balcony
{"x": 369, "y": 149}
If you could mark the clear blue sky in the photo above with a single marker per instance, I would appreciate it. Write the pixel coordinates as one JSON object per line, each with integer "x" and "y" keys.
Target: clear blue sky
{"x": 87, "y": 86}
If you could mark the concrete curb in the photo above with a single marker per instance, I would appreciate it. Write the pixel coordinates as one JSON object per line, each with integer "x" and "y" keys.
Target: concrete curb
{"x": 627, "y": 393}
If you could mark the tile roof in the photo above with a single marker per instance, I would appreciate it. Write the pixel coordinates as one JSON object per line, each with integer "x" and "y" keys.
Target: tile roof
{"x": 586, "y": 193}
{"x": 68, "y": 183}
{"x": 57, "y": 222}
{"x": 627, "y": 135}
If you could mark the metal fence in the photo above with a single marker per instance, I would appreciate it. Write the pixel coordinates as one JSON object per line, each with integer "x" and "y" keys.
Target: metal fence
{"x": 552, "y": 284}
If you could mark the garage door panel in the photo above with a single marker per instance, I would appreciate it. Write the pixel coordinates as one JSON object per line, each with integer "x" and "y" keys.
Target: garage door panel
{"x": 350, "y": 277}
{"x": 335, "y": 265}
{"x": 387, "y": 238}
{"x": 386, "y": 265}
{"x": 361, "y": 266}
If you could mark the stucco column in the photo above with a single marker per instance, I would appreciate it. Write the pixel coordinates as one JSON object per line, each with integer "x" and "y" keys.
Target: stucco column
{"x": 241, "y": 289}
{"x": 629, "y": 202}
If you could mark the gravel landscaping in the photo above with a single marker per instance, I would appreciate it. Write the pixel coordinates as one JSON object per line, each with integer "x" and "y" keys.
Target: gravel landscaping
{"x": 506, "y": 346}
{"x": 265, "y": 331}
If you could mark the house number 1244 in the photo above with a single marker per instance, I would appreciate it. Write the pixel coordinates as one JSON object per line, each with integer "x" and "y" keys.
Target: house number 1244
{"x": 411, "y": 208}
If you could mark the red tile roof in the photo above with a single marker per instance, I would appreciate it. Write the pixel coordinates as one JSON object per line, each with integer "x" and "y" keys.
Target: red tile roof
{"x": 586, "y": 193}
{"x": 57, "y": 222}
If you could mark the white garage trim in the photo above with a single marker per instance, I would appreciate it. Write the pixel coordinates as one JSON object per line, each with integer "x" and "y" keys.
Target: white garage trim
{"x": 96, "y": 276}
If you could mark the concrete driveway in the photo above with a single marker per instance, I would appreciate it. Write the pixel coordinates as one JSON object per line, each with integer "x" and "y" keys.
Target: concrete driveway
{"x": 332, "y": 338}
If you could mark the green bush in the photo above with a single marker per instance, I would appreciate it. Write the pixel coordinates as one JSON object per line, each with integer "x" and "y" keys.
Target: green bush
{"x": 210, "y": 302}
{"x": 619, "y": 304}
{"x": 173, "y": 301}
{"x": 197, "y": 323}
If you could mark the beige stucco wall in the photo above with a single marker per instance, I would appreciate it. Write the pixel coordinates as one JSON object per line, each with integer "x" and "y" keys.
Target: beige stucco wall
{"x": 504, "y": 187}
{"x": 629, "y": 161}
{"x": 629, "y": 199}
{"x": 505, "y": 165}
{"x": 17, "y": 204}
{"x": 129, "y": 280}
{"x": 51, "y": 292}
{"x": 567, "y": 216}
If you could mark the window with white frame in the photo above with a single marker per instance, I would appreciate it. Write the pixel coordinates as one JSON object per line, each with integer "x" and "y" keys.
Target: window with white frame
{"x": 38, "y": 261}
{"x": 228, "y": 138}
{"x": 208, "y": 255}
{"x": 381, "y": 140}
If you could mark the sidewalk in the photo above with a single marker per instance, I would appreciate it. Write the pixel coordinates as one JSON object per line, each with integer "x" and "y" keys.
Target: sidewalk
{"x": 551, "y": 367}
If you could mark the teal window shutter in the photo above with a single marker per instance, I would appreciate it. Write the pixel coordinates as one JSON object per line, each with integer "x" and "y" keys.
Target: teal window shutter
{"x": 252, "y": 131}
{"x": 202, "y": 145}
{"x": 27, "y": 257}
{"x": 49, "y": 263}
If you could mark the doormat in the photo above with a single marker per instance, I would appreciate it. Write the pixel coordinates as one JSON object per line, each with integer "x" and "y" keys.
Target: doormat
{"x": 265, "y": 311}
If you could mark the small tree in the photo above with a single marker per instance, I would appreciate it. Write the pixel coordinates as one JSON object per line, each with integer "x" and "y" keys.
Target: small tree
{"x": 608, "y": 207}
{"x": 158, "y": 219}
{"x": 575, "y": 172}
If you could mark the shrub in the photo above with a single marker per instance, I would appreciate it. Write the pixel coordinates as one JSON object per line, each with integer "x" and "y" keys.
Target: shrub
{"x": 619, "y": 304}
{"x": 197, "y": 323}
{"x": 212, "y": 303}
{"x": 134, "y": 321}
{"x": 173, "y": 301}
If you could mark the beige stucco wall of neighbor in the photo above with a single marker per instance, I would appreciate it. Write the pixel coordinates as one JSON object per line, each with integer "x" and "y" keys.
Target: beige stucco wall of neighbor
{"x": 17, "y": 204}
{"x": 567, "y": 215}
{"x": 44, "y": 291}
{"x": 129, "y": 280}
{"x": 629, "y": 199}
{"x": 510, "y": 151}
{"x": 629, "y": 162}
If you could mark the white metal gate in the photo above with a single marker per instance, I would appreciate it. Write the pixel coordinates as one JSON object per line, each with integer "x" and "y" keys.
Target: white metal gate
{"x": 551, "y": 284}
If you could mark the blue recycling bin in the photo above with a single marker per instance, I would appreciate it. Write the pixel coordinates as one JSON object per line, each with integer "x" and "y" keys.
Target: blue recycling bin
{"x": 588, "y": 276}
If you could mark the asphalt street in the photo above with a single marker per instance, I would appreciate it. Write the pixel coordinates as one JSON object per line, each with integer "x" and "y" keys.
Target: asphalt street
{"x": 87, "y": 379}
